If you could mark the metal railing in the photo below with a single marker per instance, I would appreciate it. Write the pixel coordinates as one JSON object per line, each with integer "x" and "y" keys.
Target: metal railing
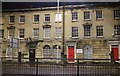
{"x": 43, "y": 67}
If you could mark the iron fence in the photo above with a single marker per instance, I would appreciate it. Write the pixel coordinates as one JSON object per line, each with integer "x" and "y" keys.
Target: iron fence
{"x": 60, "y": 67}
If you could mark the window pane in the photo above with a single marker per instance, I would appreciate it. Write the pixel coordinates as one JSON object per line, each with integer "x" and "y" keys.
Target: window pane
{"x": 87, "y": 15}
{"x": 99, "y": 30}
{"x": 36, "y": 32}
{"x": 47, "y": 51}
{"x": 74, "y": 31}
{"x": 58, "y": 32}
{"x": 36, "y": 18}
{"x": 74, "y": 16}
{"x": 117, "y": 29}
{"x": 46, "y": 32}
{"x": 1, "y": 33}
{"x": 12, "y": 19}
{"x": 98, "y": 14}
{"x": 58, "y": 17}
{"x": 22, "y": 18}
{"x": 47, "y": 17}
{"x": 116, "y": 13}
{"x": 87, "y": 31}
{"x": 21, "y": 33}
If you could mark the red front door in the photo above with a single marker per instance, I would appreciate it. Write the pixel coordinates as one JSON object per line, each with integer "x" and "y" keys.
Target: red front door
{"x": 71, "y": 53}
{"x": 115, "y": 50}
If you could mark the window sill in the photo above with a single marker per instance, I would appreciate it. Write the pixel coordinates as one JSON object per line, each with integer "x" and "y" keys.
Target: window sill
{"x": 74, "y": 37}
{"x": 21, "y": 23}
{"x": 87, "y": 19}
{"x": 99, "y": 19}
{"x": 46, "y": 21}
{"x": 58, "y": 37}
{"x": 1, "y": 23}
{"x": 117, "y": 18}
{"x": 11, "y": 23}
{"x": 21, "y": 38}
{"x": 74, "y": 20}
{"x": 87, "y": 37}
{"x": 35, "y": 22}
{"x": 46, "y": 38}
{"x": 100, "y": 36}
{"x": 58, "y": 21}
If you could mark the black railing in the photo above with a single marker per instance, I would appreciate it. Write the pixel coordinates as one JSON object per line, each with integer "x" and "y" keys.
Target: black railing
{"x": 55, "y": 67}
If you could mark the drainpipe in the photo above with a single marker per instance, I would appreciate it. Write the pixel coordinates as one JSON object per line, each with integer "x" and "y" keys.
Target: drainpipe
{"x": 63, "y": 39}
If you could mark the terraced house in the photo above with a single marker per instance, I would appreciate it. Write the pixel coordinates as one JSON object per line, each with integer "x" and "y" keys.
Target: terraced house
{"x": 86, "y": 31}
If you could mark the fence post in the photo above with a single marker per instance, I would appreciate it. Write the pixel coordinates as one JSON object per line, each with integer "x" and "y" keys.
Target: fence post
{"x": 37, "y": 67}
{"x": 77, "y": 67}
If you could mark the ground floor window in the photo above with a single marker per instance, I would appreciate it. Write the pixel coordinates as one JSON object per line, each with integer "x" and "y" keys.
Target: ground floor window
{"x": 9, "y": 53}
{"x": 49, "y": 52}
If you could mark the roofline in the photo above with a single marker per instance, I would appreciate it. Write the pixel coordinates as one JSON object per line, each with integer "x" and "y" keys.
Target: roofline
{"x": 61, "y": 7}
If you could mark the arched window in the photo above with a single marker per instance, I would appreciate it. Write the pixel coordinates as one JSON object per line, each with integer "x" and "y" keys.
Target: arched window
{"x": 46, "y": 51}
{"x": 56, "y": 52}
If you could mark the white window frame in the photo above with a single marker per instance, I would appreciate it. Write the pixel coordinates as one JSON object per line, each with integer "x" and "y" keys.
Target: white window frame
{"x": 47, "y": 16}
{"x": 117, "y": 30}
{"x": 58, "y": 32}
{"x": 100, "y": 31}
{"x": 99, "y": 14}
{"x": 12, "y": 20}
{"x": 46, "y": 51}
{"x": 74, "y": 16}
{"x": 36, "y": 33}
{"x": 117, "y": 14}
{"x": 1, "y": 33}
{"x": 35, "y": 20}
{"x": 23, "y": 19}
{"x": 12, "y": 33}
{"x": 47, "y": 33}
{"x": 23, "y": 33}
{"x": 89, "y": 15}
{"x": 74, "y": 32}
{"x": 58, "y": 17}
{"x": 87, "y": 31}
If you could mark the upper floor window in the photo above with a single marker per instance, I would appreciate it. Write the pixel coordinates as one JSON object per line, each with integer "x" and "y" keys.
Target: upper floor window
{"x": 86, "y": 15}
{"x": 117, "y": 29}
{"x": 1, "y": 33}
{"x": 11, "y": 33}
{"x": 99, "y": 14}
{"x": 21, "y": 33}
{"x": 74, "y": 32}
{"x": 46, "y": 32}
{"x": 99, "y": 31}
{"x": 117, "y": 14}
{"x": 58, "y": 32}
{"x": 36, "y": 18}
{"x": 58, "y": 17}
{"x": 87, "y": 31}
{"x": 22, "y": 19}
{"x": 36, "y": 33}
{"x": 74, "y": 16}
{"x": 11, "y": 19}
{"x": 47, "y": 17}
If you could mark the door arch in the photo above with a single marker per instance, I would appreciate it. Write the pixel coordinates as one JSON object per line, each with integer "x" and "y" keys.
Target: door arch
{"x": 88, "y": 52}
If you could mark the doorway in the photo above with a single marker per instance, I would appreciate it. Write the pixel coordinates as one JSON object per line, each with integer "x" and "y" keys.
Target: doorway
{"x": 88, "y": 52}
{"x": 32, "y": 54}
{"x": 71, "y": 54}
